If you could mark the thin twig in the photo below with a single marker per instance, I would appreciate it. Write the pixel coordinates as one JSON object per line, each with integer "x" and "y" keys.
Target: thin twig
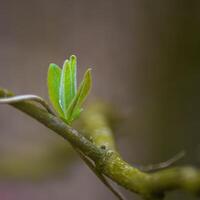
{"x": 28, "y": 97}
{"x": 101, "y": 176}
{"x": 163, "y": 165}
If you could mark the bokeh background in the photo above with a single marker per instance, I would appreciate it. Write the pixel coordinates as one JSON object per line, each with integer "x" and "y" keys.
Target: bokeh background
{"x": 145, "y": 57}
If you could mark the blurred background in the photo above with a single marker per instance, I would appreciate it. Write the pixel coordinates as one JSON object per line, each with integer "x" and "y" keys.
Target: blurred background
{"x": 146, "y": 62}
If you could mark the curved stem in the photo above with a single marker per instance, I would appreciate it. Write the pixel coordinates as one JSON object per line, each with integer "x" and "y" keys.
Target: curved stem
{"x": 28, "y": 97}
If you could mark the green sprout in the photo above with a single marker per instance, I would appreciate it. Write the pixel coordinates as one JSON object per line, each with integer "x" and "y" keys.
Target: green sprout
{"x": 66, "y": 99}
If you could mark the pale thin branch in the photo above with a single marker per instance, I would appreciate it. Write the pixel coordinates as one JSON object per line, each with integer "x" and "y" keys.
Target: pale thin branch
{"x": 163, "y": 165}
{"x": 27, "y": 97}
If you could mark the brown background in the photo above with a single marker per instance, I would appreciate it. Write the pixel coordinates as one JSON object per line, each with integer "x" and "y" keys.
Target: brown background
{"x": 145, "y": 60}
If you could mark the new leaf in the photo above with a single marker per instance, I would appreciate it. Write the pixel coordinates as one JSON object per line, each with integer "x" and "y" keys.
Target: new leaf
{"x": 53, "y": 82}
{"x": 67, "y": 84}
{"x": 75, "y": 109}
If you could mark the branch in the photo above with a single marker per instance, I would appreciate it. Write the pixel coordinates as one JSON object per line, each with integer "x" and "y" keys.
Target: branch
{"x": 98, "y": 144}
{"x": 57, "y": 125}
{"x": 149, "y": 185}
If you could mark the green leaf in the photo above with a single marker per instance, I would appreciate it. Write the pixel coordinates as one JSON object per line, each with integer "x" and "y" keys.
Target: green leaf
{"x": 53, "y": 82}
{"x": 83, "y": 91}
{"x": 67, "y": 84}
{"x": 73, "y": 62}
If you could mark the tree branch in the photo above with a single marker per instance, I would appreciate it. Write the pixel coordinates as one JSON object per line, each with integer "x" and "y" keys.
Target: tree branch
{"x": 98, "y": 144}
{"x": 57, "y": 125}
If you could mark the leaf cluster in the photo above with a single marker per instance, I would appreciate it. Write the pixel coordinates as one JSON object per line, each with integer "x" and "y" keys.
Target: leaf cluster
{"x": 66, "y": 99}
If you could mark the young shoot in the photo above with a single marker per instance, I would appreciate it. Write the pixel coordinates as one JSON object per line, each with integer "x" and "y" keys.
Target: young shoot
{"x": 66, "y": 99}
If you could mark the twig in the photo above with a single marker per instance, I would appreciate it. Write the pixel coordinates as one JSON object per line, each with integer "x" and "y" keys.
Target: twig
{"x": 163, "y": 165}
{"x": 101, "y": 176}
{"x": 28, "y": 97}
